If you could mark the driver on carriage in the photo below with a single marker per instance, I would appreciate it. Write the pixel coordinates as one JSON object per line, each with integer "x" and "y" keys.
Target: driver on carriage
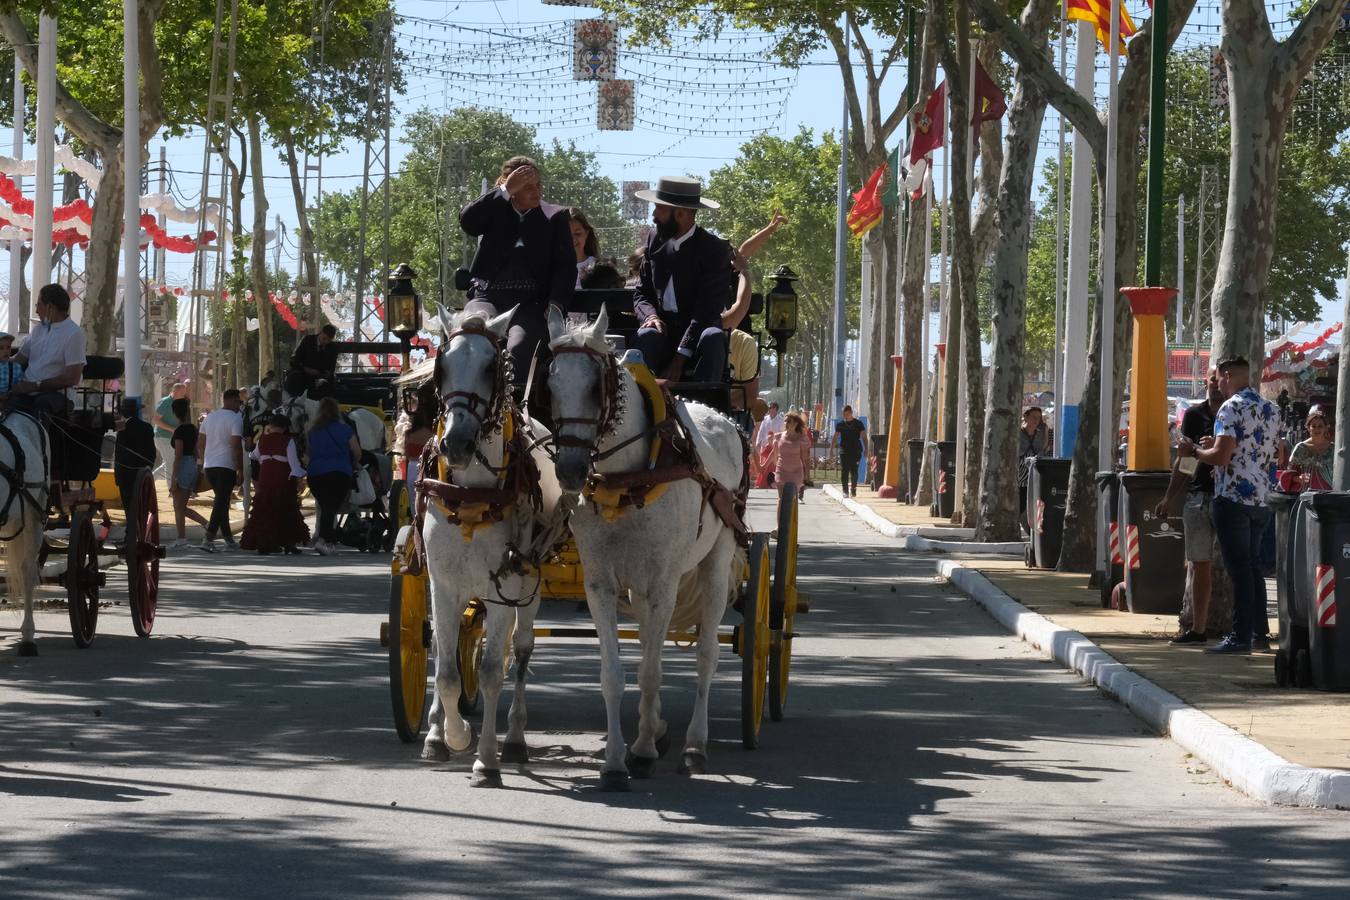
{"x": 54, "y": 357}
{"x": 313, "y": 364}
{"x": 682, "y": 287}
{"x": 525, "y": 259}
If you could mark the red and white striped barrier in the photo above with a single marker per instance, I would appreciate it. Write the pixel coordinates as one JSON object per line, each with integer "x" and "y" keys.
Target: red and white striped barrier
{"x": 1040, "y": 516}
{"x": 1132, "y": 560}
{"x": 1116, "y": 559}
{"x": 1326, "y": 597}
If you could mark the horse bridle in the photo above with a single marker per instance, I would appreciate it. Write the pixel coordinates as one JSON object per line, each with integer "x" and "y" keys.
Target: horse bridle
{"x": 18, "y": 488}
{"x": 490, "y": 419}
{"x": 611, "y": 402}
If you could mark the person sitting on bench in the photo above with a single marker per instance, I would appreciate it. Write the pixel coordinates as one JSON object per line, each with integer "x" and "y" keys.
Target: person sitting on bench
{"x": 54, "y": 356}
{"x": 313, "y": 364}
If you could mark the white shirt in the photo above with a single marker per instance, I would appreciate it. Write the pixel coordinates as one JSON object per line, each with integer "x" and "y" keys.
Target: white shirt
{"x": 674, "y": 245}
{"x": 217, "y": 430}
{"x": 768, "y": 427}
{"x": 51, "y": 348}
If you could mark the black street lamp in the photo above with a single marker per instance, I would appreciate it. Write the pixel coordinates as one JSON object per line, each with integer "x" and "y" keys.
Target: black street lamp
{"x": 405, "y": 306}
{"x": 780, "y": 313}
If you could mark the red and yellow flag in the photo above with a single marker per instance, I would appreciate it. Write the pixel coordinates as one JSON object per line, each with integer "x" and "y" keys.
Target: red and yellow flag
{"x": 1097, "y": 13}
{"x": 865, "y": 213}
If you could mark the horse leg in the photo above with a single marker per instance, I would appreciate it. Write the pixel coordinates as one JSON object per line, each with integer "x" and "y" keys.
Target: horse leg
{"x": 486, "y": 769}
{"x": 651, "y": 727}
{"x": 515, "y": 750}
{"x": 447, "y": 729}
{"x": 22, "y": 574}
{"x": 715, "y": 573}
{"x": 604, "y": 606}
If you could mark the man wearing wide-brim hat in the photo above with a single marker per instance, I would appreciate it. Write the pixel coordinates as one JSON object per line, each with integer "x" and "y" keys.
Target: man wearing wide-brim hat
{"x": 683, "y": 287}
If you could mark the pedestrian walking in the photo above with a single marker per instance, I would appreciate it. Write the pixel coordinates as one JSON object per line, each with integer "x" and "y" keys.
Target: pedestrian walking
{"x": 333, "y": 455}
{"x": 790, "y": 458}
{"x": 769, "y": 427}
{"x": 1196, "y": 480}
{"x": 275, "y": 523}
{"x": 165, "y": 423}
{"x": 184, "y": 472}
{"x": 222, "y": 434}
{"x": 133, "y": 449}
{"x": 850, "y": 436}
{"x": 1242, "y": 452}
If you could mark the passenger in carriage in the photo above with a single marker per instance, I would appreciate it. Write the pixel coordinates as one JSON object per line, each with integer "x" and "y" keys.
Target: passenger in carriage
{"x": 53, "y": 354}
{"x": 585, "y": 244}
{"x": 682, "y": 290}
{"x": 525, "y": 259}
{"x": 313, "y": 364}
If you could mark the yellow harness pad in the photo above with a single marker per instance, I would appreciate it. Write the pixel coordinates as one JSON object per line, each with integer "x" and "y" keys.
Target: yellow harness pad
{"x": 472, "y": 516}
{"x": 614, "y": 503}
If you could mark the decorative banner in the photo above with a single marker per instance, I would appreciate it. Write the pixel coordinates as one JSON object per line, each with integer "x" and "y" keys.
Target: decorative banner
{"x": 635, "y": 210}
{"x": 595, "y": 48}
{"x": 614, "y": 107}
{"x": 567, "y": 2}
{"x": 1218, "y": 81}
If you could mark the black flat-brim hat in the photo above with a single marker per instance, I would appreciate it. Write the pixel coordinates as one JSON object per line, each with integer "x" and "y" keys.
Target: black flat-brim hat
{"x": 676, "y": 191}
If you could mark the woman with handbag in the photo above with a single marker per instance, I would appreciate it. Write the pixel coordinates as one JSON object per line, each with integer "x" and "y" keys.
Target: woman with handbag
{"x": 184, "y": 473}
{"x": 275, "y": 522}
{"x": 333, "y": 456}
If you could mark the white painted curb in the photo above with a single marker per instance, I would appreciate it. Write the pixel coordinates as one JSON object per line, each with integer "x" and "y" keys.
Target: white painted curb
{"x": 1246, "y": 764}
{"x": 993, "y": 548}
{"x": 889, "y": 528}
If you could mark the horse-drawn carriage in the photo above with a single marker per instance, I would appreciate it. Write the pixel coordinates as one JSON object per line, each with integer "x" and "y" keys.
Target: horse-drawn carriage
{"x": 54, "y": 521}
{"x": 688, "y": 456}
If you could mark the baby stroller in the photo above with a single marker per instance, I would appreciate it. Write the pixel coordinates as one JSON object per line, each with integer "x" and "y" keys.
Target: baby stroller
{"x": 367, "y": 526}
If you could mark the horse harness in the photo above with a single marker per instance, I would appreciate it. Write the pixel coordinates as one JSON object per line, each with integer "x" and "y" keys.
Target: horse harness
{"x": 473, "y": 508}
{"x": 18, "y": 488}
{"x": 673, "y": 455}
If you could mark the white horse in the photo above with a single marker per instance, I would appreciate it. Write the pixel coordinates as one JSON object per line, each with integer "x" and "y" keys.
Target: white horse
{"x": 644, "y": 555}
{"x": 483, "y": 561}
{"x": 25, "y": 464}
{"x": 369, "y": 428}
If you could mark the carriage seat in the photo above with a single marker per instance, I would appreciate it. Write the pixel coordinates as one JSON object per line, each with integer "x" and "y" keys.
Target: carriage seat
{"x": 104, "y": 368}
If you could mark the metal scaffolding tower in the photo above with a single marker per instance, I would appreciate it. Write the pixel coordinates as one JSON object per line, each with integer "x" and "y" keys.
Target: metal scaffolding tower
{"x": 311, "y": 187}
{"x": 209, "y": 262}
{"x": 375, "y": 172}
{"x": 1208, "y": 238}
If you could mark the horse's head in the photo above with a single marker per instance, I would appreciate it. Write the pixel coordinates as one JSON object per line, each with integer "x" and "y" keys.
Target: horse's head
{"x": 583, "y": 379}
{"x": 471, "y": 379}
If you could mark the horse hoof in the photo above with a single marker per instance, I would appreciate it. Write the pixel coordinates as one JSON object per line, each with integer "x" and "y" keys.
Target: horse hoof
{"x": 486, "y": 778}
{"x": 435, "y": 752}
{"x": 663, "y": 744}
{"x": 515, "y": 752}
{"x": 28, "y": 648}
{"x": 693, "y": 764}
{"x": 615, "y": 782}
{"x": 468, "y": 742}
{"x": 639, "y": 766}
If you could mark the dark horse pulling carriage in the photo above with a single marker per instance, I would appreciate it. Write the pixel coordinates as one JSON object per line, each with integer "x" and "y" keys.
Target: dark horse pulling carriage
{"x": 76, "y": 530}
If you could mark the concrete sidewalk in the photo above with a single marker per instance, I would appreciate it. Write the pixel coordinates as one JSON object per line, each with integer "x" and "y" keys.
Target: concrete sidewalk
{"x": 894, "y": 519}
{"x": 1278, "y": 745}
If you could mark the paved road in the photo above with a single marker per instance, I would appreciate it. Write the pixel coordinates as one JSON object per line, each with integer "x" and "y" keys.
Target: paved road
{"x": 246, "y": 750}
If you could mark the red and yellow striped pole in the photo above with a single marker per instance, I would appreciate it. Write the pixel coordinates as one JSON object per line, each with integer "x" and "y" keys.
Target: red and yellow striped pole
{"x": 894, "y": 444}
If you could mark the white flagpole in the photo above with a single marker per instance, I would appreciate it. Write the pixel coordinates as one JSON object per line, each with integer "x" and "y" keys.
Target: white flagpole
{"x": 46, "y": 154}
{"x": 1056, "y": 367}
{"x": 12, "y": 321}
{"x": 1108, "y": 420}
{"x": 926, "y": 400}
{"x": 1073, "y": 369}
{"x": 131, "y": 233}
{"x": 962, "y": 400}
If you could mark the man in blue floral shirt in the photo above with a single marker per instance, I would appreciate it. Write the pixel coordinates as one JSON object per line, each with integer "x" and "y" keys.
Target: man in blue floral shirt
{"x": 1242, "y": 453}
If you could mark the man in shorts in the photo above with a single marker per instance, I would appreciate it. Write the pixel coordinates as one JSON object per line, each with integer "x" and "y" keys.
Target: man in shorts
{"x": 1196, "y": 513}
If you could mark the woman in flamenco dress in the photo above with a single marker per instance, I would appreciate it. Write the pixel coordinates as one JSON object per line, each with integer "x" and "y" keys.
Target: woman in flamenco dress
{"x": 275, "y": 523}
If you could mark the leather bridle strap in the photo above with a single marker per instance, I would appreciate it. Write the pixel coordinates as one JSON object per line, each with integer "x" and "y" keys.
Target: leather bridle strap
{"x": 603, "y": 421}
{"x": 18, "y": 488}
{"x": 471, "y": 401}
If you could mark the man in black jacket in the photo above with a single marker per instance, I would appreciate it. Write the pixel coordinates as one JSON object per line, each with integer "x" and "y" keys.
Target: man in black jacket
{"x": 683, "y": 287}
{"x": 313, "y": 364}
{"x": 524, "y": 259}
{"x": 133, "y": 449}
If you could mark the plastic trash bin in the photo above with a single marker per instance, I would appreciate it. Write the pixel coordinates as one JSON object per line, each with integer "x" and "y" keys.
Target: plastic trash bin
{"x": 1108, "y": 507}
{"x": 1154, "y": 548}
{"x": 1291, "y": 566}
{"x": 914, "y": 465}
{"x": 1327, "y": 519}
{"x": 1047, "y": 493}
{"x": 944, "y": 478}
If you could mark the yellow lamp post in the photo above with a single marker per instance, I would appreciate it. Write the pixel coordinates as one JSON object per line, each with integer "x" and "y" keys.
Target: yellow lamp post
{"x": 894, "y": 444}
{"x": 1149, "y": 447}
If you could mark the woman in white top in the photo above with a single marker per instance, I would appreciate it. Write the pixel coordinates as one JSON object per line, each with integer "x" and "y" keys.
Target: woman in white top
{"x": 584, "y": 242}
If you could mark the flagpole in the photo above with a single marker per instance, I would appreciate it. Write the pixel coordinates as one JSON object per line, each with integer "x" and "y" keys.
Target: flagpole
{"x": 840, "y": 258}
{"x": 925, "y": 402}
{"x": 962, "y": 396}
{"x": 1073, "y": 370}
{"x": 944, "y": 287}
{"x": 1056, "y": 383}
{"x": 1107, "y": 422}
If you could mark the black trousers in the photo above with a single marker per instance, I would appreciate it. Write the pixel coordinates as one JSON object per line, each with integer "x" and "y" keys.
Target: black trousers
{"x": 330, "y": 491}
{"x": 527, "y": 337}
{"x": 848, "y": 469}
{"x": 222, "y": 485}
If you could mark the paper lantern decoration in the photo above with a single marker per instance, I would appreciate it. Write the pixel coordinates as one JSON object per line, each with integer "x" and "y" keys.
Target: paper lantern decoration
{"x": 567, "y": 3}
{"x": 614, "y": 109}
{"x": 595, "y": 47}
{"x": 635, "y": 210}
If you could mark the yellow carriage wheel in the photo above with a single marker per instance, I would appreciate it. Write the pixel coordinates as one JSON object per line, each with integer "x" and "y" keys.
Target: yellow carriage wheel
{"x": 469, "y": 655}
{"x": 409, "y": 639}
{"x": 783, "y": 611}
{"x": 754, "y": 642}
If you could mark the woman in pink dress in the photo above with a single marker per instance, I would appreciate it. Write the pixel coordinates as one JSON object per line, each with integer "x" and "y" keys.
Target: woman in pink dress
{"x": 790, "y": 458}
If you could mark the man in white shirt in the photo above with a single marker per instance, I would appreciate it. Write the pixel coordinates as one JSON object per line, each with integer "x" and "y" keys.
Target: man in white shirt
{"x": 222, "y": 439}
{"x": 771, "y": 424}
{"x": 53, "y": 354}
